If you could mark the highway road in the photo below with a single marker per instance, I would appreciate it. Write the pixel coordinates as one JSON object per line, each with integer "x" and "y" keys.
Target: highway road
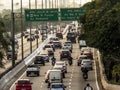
{"x": 73, "y": 80}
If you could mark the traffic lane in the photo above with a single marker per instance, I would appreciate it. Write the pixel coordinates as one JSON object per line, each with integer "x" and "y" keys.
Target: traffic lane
{"x": 75, "y": 79}
{"x": 38, "y": 82}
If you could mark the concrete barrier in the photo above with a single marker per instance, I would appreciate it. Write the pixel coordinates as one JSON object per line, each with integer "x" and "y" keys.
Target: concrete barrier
{"x": 104, "y": 81}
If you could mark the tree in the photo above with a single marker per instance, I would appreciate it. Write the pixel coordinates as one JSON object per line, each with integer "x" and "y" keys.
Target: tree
{"x": 3, "y": 41}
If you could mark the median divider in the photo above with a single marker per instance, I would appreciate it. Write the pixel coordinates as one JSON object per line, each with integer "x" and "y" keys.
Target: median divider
{"x": 7, "y": 77}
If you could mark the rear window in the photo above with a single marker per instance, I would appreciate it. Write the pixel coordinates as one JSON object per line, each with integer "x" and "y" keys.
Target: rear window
{"x": 57, "y": 86}
{"x": 86, "y": 61}
{"x": 23, "y": 82}
{"x": 39, "y": 57}
{"x": 47, "y": 46}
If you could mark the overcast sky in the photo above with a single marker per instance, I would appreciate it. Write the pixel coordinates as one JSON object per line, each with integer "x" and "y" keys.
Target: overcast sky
{"x": 6, "y": 4}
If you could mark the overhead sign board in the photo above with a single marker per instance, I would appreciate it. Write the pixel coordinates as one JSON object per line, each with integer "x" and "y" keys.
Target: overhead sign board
{"x": 32, "y": 15}
{"x": 70, "y": 14}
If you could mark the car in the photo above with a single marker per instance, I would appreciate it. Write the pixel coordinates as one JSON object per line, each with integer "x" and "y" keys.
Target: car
{"x": 87, "y": 63}
{"x": 65, "y": 53}
{"x": 57, "y": 86}
{"x": 68, "y": 46}
{"x": 62, "y": 63}
{"x": 71, "y": 36}
{"x": 31, "y": 38}
{"x": 59, "y": 35}
{"x": 32, "y": 70}
{"x": 80, "y": 58}
{"x": 54, "y": 39}
{"x": 60, "y": 67}
{"x": 50, "y": 51}
{"x": 82, "y": 43}
{"x": 49, "y": 46}
{"x": 89, "y": 54}
{"x": 23, "y": 84}
{"x": 38, "y": 60}
{"x": 36, "y": 36}
{"x": 57, "y": 44}
{"x": 44, "y": 37}
{"x": 45, "y": 55}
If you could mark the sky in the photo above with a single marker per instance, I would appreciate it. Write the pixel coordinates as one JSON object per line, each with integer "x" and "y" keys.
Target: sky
{"x": 6, "y": 4}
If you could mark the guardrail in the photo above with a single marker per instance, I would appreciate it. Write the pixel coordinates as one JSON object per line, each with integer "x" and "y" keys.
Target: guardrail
{"x": 103, "y": 78}
{"x": 6, "y": 78}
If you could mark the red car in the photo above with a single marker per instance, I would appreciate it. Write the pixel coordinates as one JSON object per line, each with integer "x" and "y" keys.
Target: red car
{"x": 23, "y": 84}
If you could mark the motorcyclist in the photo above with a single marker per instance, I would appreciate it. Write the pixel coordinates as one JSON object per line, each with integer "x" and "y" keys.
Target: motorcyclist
{"x": 85, "y": 71}
{"x": 53, "y": 60}
{"x": 70, "y": 59}
{"x": 88, "y": 87}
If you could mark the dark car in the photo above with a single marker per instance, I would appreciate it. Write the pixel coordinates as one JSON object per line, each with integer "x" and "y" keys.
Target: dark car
{"x": 57, "y": 44}
{"x": 65, "y": 54}
{"x": 32, "y": 70}
{"x": 39, "y": 60}
{"x": 59, "y": 35}
{"x": 71, "y": 36}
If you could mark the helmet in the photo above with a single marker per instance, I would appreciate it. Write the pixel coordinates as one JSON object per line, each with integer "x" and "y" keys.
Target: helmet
{"x": 88, "y": 84}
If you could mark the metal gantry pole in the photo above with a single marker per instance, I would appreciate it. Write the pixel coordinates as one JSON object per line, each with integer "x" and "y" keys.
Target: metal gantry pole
{"x": 30, "y": 29}
{"x": 12, "y": 31}
{"x": 22, "y": 32}
{"x": 36, "y": 24}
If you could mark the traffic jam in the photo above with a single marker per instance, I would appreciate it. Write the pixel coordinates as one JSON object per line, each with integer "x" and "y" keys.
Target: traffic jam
{"x": 55, "y": 75}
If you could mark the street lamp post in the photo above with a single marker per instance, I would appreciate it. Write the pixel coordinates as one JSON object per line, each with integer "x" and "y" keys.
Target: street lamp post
{"x": 12, "y": 31}
{"x": 22, "y": 32}
{"x": 30, "y": 29}
{"x": 36, "y": 24}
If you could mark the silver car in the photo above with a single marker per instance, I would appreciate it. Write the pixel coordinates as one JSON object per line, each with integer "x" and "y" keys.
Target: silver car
{"x": 87, "y": 63}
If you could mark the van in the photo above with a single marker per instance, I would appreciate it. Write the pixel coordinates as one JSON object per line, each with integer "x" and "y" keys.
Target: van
{"x": 55, "y": 76}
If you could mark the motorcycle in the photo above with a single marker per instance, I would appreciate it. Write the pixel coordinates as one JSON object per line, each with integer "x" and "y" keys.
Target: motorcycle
{"x": 70, "y": 62}
{"x": 85, "y": 76}
{"x": 53, "y": 63}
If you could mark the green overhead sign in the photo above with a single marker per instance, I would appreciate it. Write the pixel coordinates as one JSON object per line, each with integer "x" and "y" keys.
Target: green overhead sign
{"x": 68, "y": 14}
{"x": 32, "y": 15}
{"x": 65, "y": 14}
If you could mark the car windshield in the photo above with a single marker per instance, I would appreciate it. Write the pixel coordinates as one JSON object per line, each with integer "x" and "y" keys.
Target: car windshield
{"x": 57, "y": 86}
{"x": 86, "y": 62}
{"x": 39, "y": 58}
{"x": 47, "y": 46}
{"x": 59, "y": 63}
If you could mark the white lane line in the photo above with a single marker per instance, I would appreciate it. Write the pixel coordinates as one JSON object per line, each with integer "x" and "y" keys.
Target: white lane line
{"x": 17, "y": 80}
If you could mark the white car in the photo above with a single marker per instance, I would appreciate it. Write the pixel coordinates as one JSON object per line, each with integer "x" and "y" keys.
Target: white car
{"x": 67, "y": 46}
{"x": 87, "y": 63}
{"x": 62, "y": 63}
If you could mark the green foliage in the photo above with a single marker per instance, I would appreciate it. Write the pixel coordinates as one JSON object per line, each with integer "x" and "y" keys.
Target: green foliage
{"x": 101, "y": 23}
{"x": 116, "y": 69}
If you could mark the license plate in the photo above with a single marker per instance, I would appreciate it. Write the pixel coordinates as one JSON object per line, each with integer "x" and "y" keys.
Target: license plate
{"x": 23, "y": 89}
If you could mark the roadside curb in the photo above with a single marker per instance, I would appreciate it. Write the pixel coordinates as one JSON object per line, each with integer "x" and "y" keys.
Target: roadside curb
{"x": 103, "y": 78}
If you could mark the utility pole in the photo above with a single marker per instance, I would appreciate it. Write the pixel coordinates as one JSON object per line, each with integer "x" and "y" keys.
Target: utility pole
{"x": 22, "y": 31}
{"x": 12, "y": 31}
{"x": 30, "y": 29}
{"x": 36, "y": 24}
